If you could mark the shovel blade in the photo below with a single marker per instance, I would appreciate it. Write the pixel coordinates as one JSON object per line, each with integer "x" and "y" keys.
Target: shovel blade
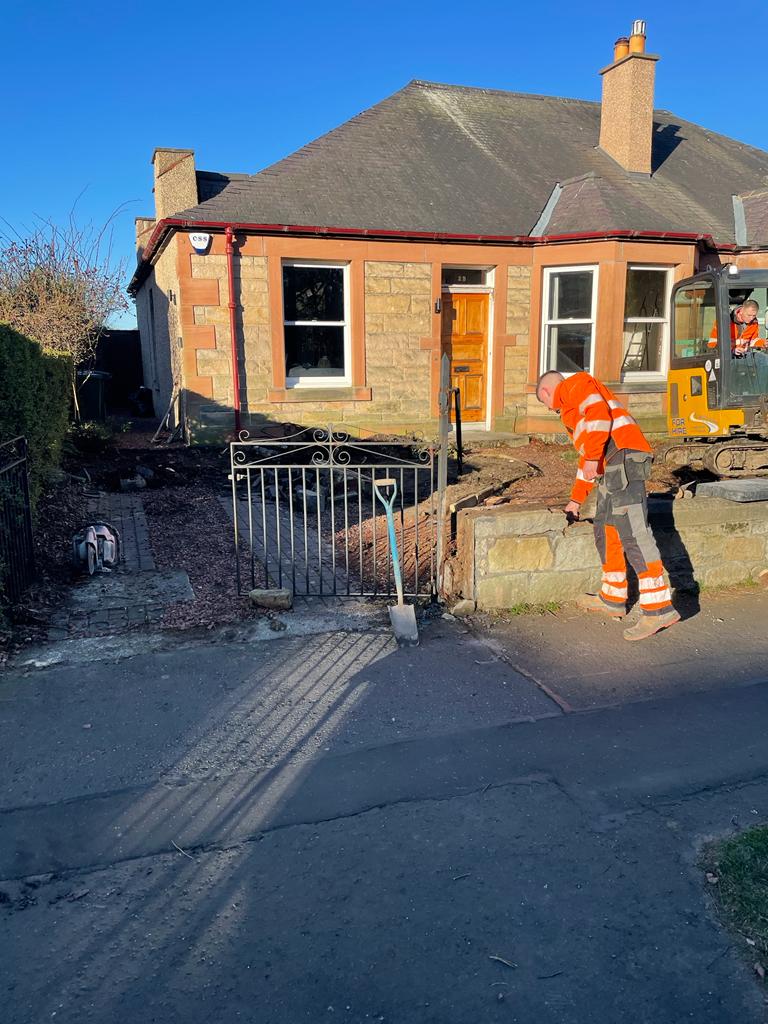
{"x": 403, "y": 619}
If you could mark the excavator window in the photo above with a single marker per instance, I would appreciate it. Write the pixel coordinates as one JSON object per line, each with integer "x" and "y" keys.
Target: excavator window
{"x": 695, "y": 316}
{"x": 748, "y": 376}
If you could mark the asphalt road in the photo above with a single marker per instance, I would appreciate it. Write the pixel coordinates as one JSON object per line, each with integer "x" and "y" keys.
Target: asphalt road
{"x": 329, "y": 828}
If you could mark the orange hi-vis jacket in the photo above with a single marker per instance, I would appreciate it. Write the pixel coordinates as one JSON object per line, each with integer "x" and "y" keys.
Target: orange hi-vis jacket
{"x": 592, "y": 415}
{"x": 751, "y": 334}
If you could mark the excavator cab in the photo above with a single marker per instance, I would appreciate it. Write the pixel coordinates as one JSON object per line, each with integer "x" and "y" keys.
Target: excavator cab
{"x": 716, "y": 398}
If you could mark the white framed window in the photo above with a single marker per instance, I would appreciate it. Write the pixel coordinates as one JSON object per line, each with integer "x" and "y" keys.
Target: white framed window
{"x": 316, "y": 324}
{"x": 569, "y": 313}
{"x": 645, "y": 344}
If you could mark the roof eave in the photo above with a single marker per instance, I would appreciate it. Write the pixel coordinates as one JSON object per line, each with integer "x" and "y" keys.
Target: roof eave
{"x": 164, "y": 228}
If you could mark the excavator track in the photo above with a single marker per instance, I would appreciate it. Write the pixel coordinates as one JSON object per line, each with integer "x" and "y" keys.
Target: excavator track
{"x": 728, "y": 459}
{"x": 734, "y": 460}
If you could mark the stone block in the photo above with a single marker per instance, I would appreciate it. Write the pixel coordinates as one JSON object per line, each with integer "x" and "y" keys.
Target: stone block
{"x": 253, "y": 314}
{"x": 397, "y": 304}
{"x": 421, "y": 310}
{"x": 520, "y": 522}
{"x": 520, "y": 554}
{"x": 576, "y": 548}
{"x": 375, "y": 323}
{"x": 207, "y": 271}
{"x": 493, "y": 592}
{"x": 518, "y": 325}
{"x": 418, "y": 270}
{"x": 379, "y": 285}
{"x": 252, "y": 286}
{"x": 278, "y": 599}
{"x": 725, "y": 574}
{"x": 208, "y": 261}
{"x": 383, "y": 269}
{"x": 411, "y": 285}
{"x": 212, "y": 315}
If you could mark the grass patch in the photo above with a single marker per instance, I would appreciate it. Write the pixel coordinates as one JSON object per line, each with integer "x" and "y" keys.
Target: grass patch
{"x": 525, "y": 608}
{"x": 571, "y": 455}
{"x": 737, "y": 877}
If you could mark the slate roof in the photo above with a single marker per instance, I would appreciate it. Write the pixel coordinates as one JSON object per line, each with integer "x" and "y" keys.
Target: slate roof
{"x": 755, "y": 206}
{"x": 460, "y": 160}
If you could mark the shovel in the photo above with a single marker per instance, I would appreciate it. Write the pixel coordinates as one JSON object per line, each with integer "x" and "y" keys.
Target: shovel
{"x": 401, "y": 615}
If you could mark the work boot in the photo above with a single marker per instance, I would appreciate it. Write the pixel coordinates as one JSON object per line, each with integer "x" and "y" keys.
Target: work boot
{"x": 648, "y": 625}
{"x": 594, "y": 603}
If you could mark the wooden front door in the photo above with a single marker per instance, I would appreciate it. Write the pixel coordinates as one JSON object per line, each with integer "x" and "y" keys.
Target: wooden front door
{"x": 465, "y": 339}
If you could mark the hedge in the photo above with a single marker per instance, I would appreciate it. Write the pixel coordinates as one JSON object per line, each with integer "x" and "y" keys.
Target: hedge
{"x": 35, "y": 396}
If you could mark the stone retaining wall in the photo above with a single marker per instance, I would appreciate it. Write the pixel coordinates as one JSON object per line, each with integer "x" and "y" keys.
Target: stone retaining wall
{"x": 512, "y": 556}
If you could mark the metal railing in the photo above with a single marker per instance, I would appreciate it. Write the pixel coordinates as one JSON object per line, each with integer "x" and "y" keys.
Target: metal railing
{"x": 306, "y": 513}
{"x": 16, "y": 550}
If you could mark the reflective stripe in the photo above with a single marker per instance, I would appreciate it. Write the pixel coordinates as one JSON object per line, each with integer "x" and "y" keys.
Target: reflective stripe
{"x": 614, "y": 591}
{"x": 659, "y": 597}
{"x": 589, "y": 400}
{"x": 613, "y": 404}
{"x": 614, "y": 577}
{"x": 651, "y": 582}
{"x": 590, "y": 426}
{"x": 580, "y": 476}
{"x": 624, "y": 421}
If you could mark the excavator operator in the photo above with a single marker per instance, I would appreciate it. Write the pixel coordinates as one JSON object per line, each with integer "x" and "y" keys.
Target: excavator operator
{"x": 745, "y": 330}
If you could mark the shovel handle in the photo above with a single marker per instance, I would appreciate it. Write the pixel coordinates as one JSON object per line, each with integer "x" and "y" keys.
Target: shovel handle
{"x": 388, "y": 508}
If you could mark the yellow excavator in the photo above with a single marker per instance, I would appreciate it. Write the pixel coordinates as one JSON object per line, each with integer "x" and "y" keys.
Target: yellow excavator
{"x": 717, "y": 399}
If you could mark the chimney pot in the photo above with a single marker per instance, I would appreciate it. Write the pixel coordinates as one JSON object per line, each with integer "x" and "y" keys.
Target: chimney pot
{"x": 620, "y": 48}
{"x": 637, "y": 39}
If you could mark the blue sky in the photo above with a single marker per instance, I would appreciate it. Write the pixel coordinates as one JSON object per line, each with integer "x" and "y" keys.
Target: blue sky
{"x": 91, "y": 88}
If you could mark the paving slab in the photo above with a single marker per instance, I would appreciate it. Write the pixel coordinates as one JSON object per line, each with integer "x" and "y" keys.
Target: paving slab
{"x": 734, "y": 490}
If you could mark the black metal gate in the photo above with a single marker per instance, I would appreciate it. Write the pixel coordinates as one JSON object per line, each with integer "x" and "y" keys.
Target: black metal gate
{"x": 16, "y": 550}
{"x": 306, "y": 514}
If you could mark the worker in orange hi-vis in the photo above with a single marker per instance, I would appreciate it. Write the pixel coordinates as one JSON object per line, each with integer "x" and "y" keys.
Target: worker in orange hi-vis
{"x": 614, "y": 453}
{"x": 745, "y": 330}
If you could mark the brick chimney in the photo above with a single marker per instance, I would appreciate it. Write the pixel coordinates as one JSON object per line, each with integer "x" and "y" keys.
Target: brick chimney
{"x": 175, "y": 181}
{"x": 626, "y": 112}
{"x": 144, "y": 226}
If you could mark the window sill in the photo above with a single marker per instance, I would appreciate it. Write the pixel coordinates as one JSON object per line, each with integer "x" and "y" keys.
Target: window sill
{"x": 645, "y": 386}
{"x": 326, "y": 394}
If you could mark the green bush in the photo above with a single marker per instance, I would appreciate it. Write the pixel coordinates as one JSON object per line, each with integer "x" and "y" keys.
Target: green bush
{"x": 34, "y": 401}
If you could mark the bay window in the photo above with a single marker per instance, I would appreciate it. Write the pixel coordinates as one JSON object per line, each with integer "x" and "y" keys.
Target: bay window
{"x": 646, "y": 322}
{"x": 568, "y": 322}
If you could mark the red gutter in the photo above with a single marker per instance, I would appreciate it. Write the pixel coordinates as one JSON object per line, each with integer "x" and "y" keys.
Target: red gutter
{"x": 232, "y": 326}
{"x": 163, "y": 227}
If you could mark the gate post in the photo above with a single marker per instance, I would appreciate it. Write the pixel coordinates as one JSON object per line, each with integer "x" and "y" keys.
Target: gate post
{"x": 442, "y": 464}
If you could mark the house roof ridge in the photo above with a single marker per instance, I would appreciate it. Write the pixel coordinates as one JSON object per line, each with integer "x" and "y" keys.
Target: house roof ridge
{"x": 488, "y": 90}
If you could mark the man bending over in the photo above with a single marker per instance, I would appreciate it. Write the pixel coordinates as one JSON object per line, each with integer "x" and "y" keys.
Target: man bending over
{"x": 613, "y": 452}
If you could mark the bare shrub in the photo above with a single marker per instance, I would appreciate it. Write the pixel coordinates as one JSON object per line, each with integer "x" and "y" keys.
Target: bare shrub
{"x": 60, "y": 286}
